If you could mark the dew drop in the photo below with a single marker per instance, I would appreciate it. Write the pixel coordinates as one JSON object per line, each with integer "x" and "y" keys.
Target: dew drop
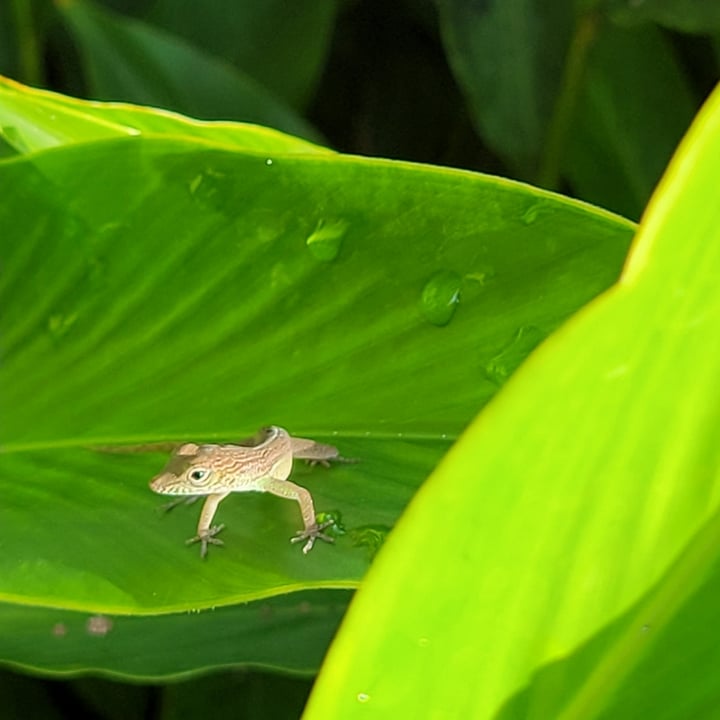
{"x": 531, "y": 214}
{"x": 269, "y": 162}
{"x": 371, "y": 537}
{"x": 502, "y": 365}
{"x": 334, "y": 517}
{"x": 363, "y": 697}
{"x": 195, "y": 183}
{"x": 440, "y": 297}
{"x": 58, "y": 325}
{"x": 326, "y": 240}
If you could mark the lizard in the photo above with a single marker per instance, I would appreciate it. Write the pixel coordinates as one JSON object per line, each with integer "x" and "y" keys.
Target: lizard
{"x": 215, "y": 471}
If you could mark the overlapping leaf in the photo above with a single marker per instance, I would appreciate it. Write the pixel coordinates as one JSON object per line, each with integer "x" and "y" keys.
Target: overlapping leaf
{"x": 568, "y": 544}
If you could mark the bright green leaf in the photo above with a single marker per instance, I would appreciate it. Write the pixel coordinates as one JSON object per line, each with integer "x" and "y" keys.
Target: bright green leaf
{"x": 32, "y": 120}
{"x": 566, "y": 536}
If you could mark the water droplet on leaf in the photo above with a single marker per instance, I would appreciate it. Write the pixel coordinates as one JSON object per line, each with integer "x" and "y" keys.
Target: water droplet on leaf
{"x": 440, "y": 297}
{"x": 531, "y": 214}
{"x": 371, "y": 537}
{"x": 60, "y": 324}
{"x": 326, "y": 240}
{"x": 334, "y": 517}
{"x": 501, "y": 366}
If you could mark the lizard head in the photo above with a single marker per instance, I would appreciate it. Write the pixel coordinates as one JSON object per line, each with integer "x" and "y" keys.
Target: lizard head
{"x": 188, "y": 472}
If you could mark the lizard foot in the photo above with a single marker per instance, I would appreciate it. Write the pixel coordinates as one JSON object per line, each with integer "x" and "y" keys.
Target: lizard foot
{"x": 207, "y": 537}
{"x": 311, "y": 534}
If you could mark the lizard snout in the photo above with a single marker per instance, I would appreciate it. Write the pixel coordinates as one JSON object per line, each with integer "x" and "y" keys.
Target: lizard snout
{"x": 159, "y": 483}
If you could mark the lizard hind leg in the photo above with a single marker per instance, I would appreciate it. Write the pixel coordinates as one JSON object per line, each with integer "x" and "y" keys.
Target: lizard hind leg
{"x": 312, "y": 530}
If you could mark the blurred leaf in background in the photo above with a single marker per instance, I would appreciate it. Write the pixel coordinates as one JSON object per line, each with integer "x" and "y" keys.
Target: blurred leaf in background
{"x": 129, "y": 60}
{"x": 282, "y": 45}
{"x": 691, "y": 16}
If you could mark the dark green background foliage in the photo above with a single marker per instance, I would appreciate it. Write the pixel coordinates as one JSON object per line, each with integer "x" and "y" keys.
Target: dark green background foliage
{"x": 164, "y": 279}
{"x": 589, "y": 98}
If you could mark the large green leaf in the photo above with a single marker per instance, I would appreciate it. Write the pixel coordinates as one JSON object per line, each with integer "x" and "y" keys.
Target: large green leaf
{"x": 167, "y": 288}
{"x": 187, "y": 268}
{"x": 569, "y": 542}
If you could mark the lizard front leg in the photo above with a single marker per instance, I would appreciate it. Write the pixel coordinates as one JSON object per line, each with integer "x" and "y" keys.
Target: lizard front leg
{"x": 205, "y": 533}
{"x": 286, "y": 489}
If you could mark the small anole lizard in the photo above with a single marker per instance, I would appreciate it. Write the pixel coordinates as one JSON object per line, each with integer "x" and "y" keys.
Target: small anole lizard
{"x": 216, "y": 471}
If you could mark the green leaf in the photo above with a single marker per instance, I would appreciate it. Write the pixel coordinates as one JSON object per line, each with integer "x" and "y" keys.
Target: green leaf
{"x": 126, "y": 59}
{"x": 172, "y": 288}
{"x": 92, "y": 499}
{"x": 690, "y": 16}
{"x": 32, "y": 120}
{"x": 508, "y": 57}
{"x": 281, "y": 49}
{"x": 289, "y": 632}
{"x": 634, "y": 107}
{"x": 566, "y": 540}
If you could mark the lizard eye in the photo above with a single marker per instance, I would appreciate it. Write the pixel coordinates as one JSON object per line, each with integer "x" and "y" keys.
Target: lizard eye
{"x": 197, "y": 476}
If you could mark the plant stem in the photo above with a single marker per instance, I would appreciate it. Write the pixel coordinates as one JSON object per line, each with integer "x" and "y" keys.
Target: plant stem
{"x": 561, "y": 121}
{"x": 28, "y": 46}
